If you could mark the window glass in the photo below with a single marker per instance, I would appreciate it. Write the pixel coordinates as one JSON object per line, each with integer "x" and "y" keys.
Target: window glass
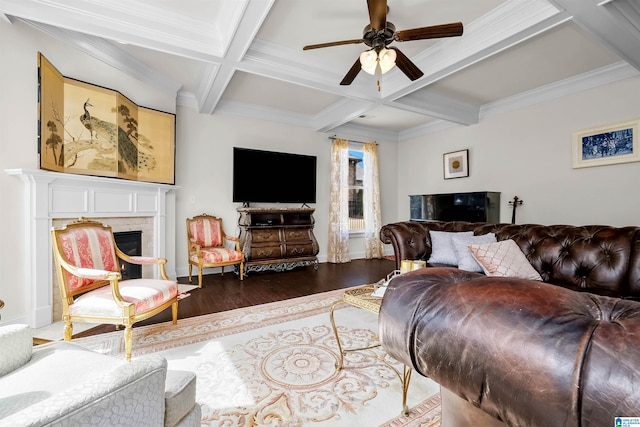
{"x": 356, "y": 176}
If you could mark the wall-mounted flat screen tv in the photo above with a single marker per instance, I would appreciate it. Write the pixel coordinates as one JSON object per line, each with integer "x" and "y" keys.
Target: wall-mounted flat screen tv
{"x": 272, "y": 177}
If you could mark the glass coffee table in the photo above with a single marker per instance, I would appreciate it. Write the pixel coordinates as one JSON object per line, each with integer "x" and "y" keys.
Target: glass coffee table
{"x": 362, "y": 297}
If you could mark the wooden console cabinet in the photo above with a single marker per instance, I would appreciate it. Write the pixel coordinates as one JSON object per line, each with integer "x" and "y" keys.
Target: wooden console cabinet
{"x": 277, "y": 239}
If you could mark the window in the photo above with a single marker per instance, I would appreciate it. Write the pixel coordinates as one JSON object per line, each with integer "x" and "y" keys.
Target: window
{"x": 356, "y": 190}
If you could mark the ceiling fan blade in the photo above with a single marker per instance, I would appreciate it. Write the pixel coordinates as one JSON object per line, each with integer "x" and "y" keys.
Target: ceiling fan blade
{"x": 317, "y": 46}
{"x": 406, "y": 66}
{"x": 352, "y": 73}
{"x": 433, "y": 32}
{"x": 377, "y": 13}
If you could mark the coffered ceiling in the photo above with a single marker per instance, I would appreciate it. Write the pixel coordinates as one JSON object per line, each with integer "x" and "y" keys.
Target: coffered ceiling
{"x": 245, "y": 57}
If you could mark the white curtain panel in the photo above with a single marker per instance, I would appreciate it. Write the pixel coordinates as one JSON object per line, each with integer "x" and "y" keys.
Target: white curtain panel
{"x": 371, "y": 201}
{"x": 338, "y": 245}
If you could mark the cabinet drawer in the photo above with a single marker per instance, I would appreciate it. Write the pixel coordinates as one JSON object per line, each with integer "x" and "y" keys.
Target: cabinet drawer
{"x": 265, "y": 252}
{"x": 299, "y": 250}
{"x": 294, "y": 234}
{"x": 265, "y": 236}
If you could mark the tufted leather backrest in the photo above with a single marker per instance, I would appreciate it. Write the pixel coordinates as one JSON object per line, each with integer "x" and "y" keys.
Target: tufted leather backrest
{"x": 596, "y": 258}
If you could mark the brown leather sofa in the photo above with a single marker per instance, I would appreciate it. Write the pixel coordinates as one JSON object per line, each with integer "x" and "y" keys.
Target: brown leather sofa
{"x": 517, "y": 352}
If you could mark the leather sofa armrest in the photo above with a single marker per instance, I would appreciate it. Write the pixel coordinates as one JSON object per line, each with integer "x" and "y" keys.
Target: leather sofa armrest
{"x": 512, "y": 346}
{"x": 409, "y": 239}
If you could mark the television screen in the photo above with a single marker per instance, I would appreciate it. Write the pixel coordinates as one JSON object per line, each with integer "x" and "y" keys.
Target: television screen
{"x": 271, "y": 177}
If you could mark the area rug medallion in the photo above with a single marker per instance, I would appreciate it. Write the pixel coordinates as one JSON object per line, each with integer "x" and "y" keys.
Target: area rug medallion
{"x": 274, "y": 365}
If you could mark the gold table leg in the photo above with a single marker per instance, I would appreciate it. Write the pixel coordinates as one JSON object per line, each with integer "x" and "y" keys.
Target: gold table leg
{"x": 405, "y": 377}
{"x": 341, "y": 351}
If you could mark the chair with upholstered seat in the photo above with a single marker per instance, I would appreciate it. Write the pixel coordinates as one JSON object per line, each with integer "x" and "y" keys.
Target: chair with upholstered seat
{"x": 206, "y": 242}
{"x": 91, "y": 284}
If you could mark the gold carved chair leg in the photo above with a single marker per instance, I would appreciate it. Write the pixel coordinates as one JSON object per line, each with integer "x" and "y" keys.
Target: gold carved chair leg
{"x": 174, "y": 313}
{"x": 128, "y": 341}
{"x": 68, "y": 330}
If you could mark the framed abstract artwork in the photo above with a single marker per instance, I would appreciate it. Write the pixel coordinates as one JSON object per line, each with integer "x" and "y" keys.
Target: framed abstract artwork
{"x": 456, "y": 164}
{"x": 91, "y": 130}
{"x": 606, "y": 145}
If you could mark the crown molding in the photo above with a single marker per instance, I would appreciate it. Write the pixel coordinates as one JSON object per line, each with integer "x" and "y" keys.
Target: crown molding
{"x": 263, "y": 113}
{"x": 112, "y": 55}
{"x": 366, "y": 133}
{"x": 601, "y": 76}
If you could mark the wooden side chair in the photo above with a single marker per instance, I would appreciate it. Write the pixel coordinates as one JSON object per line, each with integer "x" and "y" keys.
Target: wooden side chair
{"x": 206, "y": 242}
{"x": 91, "y": 284}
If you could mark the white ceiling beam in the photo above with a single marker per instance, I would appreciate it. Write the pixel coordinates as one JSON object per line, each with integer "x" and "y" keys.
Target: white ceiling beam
{"x": 615, "y": 24}
{"x": 274, "y": 61}
{"x": 340, "y": 113}
{"x": 438, "y": 106}
{"x": 252, "y": 18}
{"x": 130, "y": 22}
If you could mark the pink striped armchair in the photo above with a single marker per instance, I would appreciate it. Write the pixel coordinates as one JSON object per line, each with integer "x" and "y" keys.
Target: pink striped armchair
{"x": 206, "y": 242}
{"x": 91, "y": 284}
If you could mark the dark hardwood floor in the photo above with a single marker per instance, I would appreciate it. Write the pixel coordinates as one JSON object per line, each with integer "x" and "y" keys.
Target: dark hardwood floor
{"x": 221, "y": 293}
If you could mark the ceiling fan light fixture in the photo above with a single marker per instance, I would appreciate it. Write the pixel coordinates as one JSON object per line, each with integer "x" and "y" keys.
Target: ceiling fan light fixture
{"x": 369, "y": 61}
{"x": 387, "y": 58}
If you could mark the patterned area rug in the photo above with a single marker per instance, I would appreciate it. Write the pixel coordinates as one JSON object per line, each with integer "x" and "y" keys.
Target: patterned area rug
{"x": 274, "y": 365}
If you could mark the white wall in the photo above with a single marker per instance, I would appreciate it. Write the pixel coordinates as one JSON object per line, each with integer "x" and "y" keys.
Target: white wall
{"x": 205, "y": 175}
{"x": 203, "y": 155}
{"x": 527, "y": 153}
{"x": 19, "y": 45}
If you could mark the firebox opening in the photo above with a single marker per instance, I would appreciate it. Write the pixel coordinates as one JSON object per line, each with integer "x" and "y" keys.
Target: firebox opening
{"x": 129, "y": 242}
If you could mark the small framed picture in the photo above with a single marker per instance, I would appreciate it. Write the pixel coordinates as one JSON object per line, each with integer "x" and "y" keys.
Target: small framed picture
{"x": 606, "y": 145}
{"x": 456, "y": 164}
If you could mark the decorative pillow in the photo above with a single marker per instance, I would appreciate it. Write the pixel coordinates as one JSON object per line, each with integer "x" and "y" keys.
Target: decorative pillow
{"x": 16, "y": 343}
{"x": 466, "y": 261}
{"x": 442, "y": 248}
{"x": 504, "y": 259}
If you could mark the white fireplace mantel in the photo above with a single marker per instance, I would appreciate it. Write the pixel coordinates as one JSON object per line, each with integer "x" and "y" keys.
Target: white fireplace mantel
{"x": 51, "y": 195}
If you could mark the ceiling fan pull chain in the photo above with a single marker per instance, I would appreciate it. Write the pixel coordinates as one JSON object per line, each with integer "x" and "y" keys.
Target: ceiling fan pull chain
{"x": 378, "y": 73}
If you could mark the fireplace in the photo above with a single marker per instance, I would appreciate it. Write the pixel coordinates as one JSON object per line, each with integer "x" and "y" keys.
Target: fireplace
{"x": 53, "y": 199}
{"x": 129, "y": 242}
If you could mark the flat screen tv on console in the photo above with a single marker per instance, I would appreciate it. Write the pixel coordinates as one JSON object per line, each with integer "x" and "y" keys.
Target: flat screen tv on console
{"x": 271, "y": 177}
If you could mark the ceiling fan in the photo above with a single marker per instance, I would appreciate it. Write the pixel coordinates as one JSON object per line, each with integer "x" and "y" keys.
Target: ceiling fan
{"x": 379, "y": 34}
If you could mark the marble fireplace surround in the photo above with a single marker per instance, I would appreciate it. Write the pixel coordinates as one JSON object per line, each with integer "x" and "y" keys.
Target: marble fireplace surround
{"x": 53, "y": 199}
